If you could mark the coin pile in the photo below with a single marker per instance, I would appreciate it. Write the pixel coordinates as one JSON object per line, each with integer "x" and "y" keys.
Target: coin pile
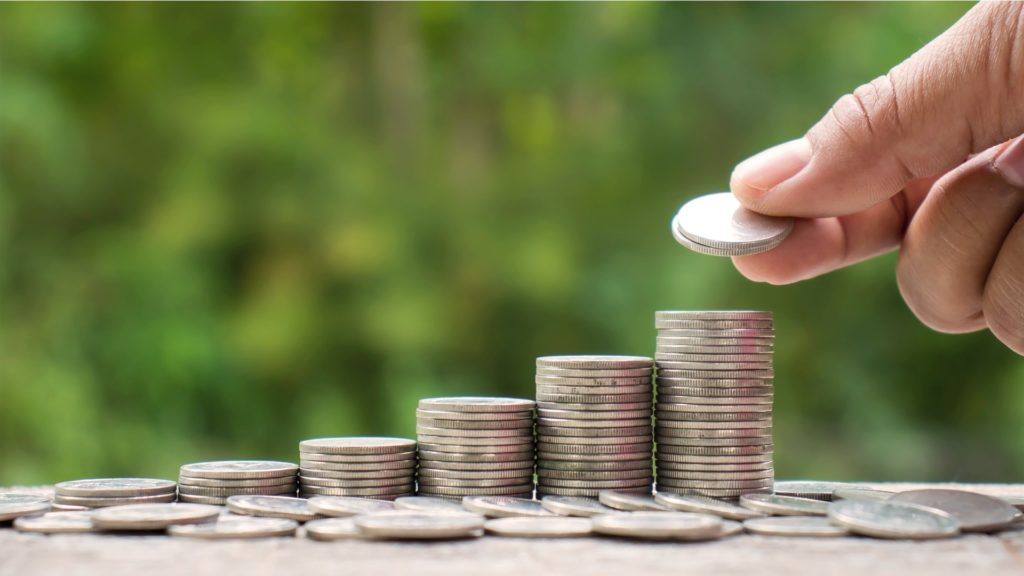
{"x": 593, "y": 425}
{"x": 713, "y": 412}
{"x": 475, "y": 446}
{"x": 365, "y": 466}
{"x": 214, "y": 482}
{"x": 103, "y": 492}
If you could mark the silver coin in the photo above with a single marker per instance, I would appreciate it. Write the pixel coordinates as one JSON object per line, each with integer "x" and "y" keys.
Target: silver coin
{"x": 525, "y": 490}
{"x": 548, "y": 439}
{"x": 595, "y": 475}
{"x": 115, "y": 487}
{"x": 479, "y": 452}
{"x": 888, "y": 519}
{"x": 273, "y": 490}
{"x": 713, "y": 432}
{"x": 667, "y": 459}
{"x": 558, "y": 460}
{"x": 385, "y": 492}
{"x": 334, "y": 529}
{"x": 478, "y": 416}
{"x": 272, "y": 507}
{"x": 13, "y": 505}
{"x": 428, "y": 504}
{"x": 713, "y": 349}
{"x": 748, "y": 486}
{"x": 237, "y": 528}
{"x": 807, "y": 489}
{"x": 716, "y": 333}
{"x": 427, "y": 481}
{"x": 604, "y": 399}
{"x": 763, "y": 358}
{"x": 439, "y": 473}
{"x": 583, "y": 362}
{"x": 704, "y": 505}
{"x": 706, "y": 374}
{"x": 519, "y": 442}
{"x": 215, "y": 483}
{"x": 409, "y": 525}
{"x": 238, "y": 469}
{"x": 476, "y": 404}
{"x": 347, "y": 506}
{"x": 607, "y": 424}
{"x": 713, "y": 315}
{"x": 592, "y": 382}
{"x": 776, "y": 505}
{"x": 100, "y": 502}
{"x": 629, "y": 484}
{"x": 664, "y": 399}
{"x": 713, "y": 340}
{"x": 361, "y": 445}
{"x": 858, "y": 493}
{"x": 594, "y": 390}
{"x": 152, "y": 516}
{"x": 625, "y": 451}
{"x": 975, "y": 512}
{"x": 666, "y": 441}
{"x": 690, "y": 467}
{"x": 385, "y": 460}
{"x": 548, "y": 415}
{"x": 589, "y": 493}
{"x": 55, "y": 523}
{"x": 591, "y": 432}
{"x": 1015, "y": 501}
{"x": 661, "y": 324}
{"x": 709, "y": 388}
{"x": 807, "y": 526}
{"x": 586, "y": 373}
{"x": 630, "y": 502}
{"x": 211, "y": 500}
{"x": 763, "y": 423}
{"x": 739, "y": 409}
{"x": 440, "y": 467}
{"x": 350, "y": 483}
{"x": 659, "y": 525}
{"x": 514, "y": 433}
{"x": 575, "y": 506}
{"x": 504, "y": 507}
{"x": 724, "y": 494}
{"x": 678, "y": 419}
{"x": 719, "y": 221}
{"x": 713, "y": 366}
{"x": 727, "y": 451}
{"x": 481, "y": 461}
{"x": 526, "y": 527}
{"x": 594, "y": 466}
{"x": 58, "y": 507}
{"x": 475, "y": 425}
{"x": 357, "y": 475}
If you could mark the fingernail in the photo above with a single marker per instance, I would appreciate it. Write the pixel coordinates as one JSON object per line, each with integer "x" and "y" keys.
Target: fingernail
{"x": 1010, "y": 163}
{"x": 773, "y": 166}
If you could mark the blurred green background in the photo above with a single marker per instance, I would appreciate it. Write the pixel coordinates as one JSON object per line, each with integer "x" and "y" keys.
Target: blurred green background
{"x": 228, "y": 227}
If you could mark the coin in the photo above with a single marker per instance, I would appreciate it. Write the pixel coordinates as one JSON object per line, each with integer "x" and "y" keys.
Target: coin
{"x": 324, "y": 474}
{"x": 504, "y": 507}
{"x": 678, "y": 431}
{"x": 551, "y": 465}
{"x": 277, "y": 489}
{"x": 476, "y": 425}
{"x": 592, "y": 381}
{"x": 13, "y": 505}
{"x": 575, "y": 506}
{"x": 628, "y": 450}
{"x": 716, "y": 333}
{"x": 641, "y": 473}
{"x": 632, "y": 483}
{"x": 741, "y": 486}
{"x": 152, "y": 516}
{"x": 115, "y": 487}
{"x": 857, "y": 493}
{"x": 428, "y": 504}
{"x": 427, "y": 481}
{"x": 211, "y": 500}
{"x": 604, "y": 399}
{"x": 776, "y": 505}
{"x": 390, "y": 460}
{"x": 714, "y": 359}
{"x": 523, "y": 474}
{"x": 515, "y": 466}
{"x": 666, "y": 440}
{"x": 476, "y": 404}
{"x": 479, "y": 416}
{"x": 719, "y": 222}
{"x": 713, "y": 315}
{"x": 272, "y": 507}
{"x": 56, "y": 523}
{"x": 99, "y": 502}
{"x": 659, "y": 525}
{"x": 508, "y": 436}
{"x": 666, "y": 351}
{"x": 58, "y": 507}
{"x": 524, "y": 490}
{"x": 679, "y": 365}
{"x": 809, "y": 526}
{"x": 347, "y": 506}
{"x": 712, "y": 340}
{"x": 705, "y": 505}
{"x": 612, "y": 373}
{"x": 333, "y": 529}
{"x": 481, "y": 457}
{"x": 730, "y": 451}
{"x": 685, "y": 461}
{"x": 667, "y": 399}
{"x": 239, "y": 469}
{"x": 237, "y": 527}
{"x": 689, "y": 467}
{"x": 719, "y": 493}
{"x": 705, "y": 374}
{"x": 644, "y": 388}
{"x": 888, "y": 519}
{"x": 215, "y": 483}
{"x": 358, "y": 445}
{"x": 514, "y": 442}
{"x": 975, "y": 512}
{"x": 664, "y": 473}
{"x": 598, "y": 362}
{"x": 350, "y": 483}
{"x": 553, "y": 459}
{"x": 547, "y": 440}
{"x": 593, "y": 493}
{"x": 525, "y": 527}
{"x": 384, "y": 492}
{"x": 807, "y": 489}
{"x": 408, "y": 525}
{"x": 584, "y": 423}
{"x": 630, "y": 502}
{"x": 516, "y": 451}
{"x": 710, "y": 324}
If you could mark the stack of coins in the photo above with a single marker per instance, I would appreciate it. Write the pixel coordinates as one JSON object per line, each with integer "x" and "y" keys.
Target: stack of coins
{"x": 214, "y": 482}
{"x": 713, "y": 410}
{"x": 593, "y": 425}
{"x": 363, "y": 466}
{"x": 103, "y": 492}
{"x": 475, "y": 446}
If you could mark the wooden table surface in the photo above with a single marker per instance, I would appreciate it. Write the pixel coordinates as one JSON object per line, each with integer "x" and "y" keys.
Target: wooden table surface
{"x": 63, "y": 555}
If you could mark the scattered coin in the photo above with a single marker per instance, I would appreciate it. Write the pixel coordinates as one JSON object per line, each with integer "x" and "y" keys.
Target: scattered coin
{"x": 808, "y": 489}
{"x": 776, "y": 505}
{"x": 810, "y": 526}
{"x": 14, "y": 505}
{"x": 56, "y": 523}
{"x": 888, "y": 519}
{"x": 857, "y": 493}
{"x": 527, "y": 527}
{"x": 705, "y": 505}
{"x": 630, "y": 502}
{"x": 272, "y": 507}
{"x": 115, "y": 487}
{"x": 334, "y": 529}
{"x": 348, "y": 506}
{"x": 659, "y": 525}
{"x": 975, "y": 512}
{"x": 504, "y": 507}
{"x": 152, "y": 516}
{"x": 237, "y": 527}
{"x": 407, "y": 525}
{"x": 428, "y": 504}
{"x": 718, "y": 224}
{"x": 575, "y": 506}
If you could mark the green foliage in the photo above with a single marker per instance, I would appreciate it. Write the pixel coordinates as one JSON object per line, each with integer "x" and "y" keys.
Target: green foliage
{"x": 228, "y": 227}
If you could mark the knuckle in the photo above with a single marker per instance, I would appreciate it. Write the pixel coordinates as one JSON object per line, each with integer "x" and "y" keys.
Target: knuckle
{"x": 929, "y": 299}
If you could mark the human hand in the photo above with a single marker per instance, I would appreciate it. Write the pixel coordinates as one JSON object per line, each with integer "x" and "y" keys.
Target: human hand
{"x": 916, "y": 159}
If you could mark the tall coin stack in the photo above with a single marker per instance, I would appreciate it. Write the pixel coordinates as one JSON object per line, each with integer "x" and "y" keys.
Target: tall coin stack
{"x": 364, "y": 466}
{"x": 713, "y": 412}
{"x": 475, "y": 446}
{"x": 214, "y": 482}
{"x": 593, "y": 425}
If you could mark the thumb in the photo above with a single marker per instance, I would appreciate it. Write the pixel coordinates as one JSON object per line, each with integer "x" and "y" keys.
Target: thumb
{"x": 958, "y": 95}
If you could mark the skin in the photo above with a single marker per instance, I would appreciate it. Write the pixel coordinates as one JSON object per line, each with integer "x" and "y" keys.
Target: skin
{"x": 919, "y": 160}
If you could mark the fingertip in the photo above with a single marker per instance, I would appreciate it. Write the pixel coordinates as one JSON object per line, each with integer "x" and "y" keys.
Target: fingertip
{"x": 753, "y": 179}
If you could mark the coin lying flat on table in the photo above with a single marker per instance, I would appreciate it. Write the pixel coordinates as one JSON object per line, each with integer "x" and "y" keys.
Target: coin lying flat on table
{"x": 237, "y": 527}
{"x": 287, "y": 507}
{"x": 56, "y": 523}
{"x": 717, "y": 224}
{"x": 808, "y": 489}
{"x": 348, "y": 506}
{"x": 152, "y": 516}
{"x": 575, "y": 506}
{"x": 428, "y": 504}
{"x": 809, "y": 526}
{"x": 659, "y": 525}
{"x": 405, "y": 525}
{"x": 527, "y": 527}
{"x": 975, "y": 512}
{"x": 705, "y": 505}
{"x": 858, "y": 493}
{"x": 504, "y": 507}
{"x": 888, "y": 519}
{"x": 15, "y": 505}
{"x": 334, "y": 529}
{"x": 630, "y": 502}
{"x": 784, "y": 505}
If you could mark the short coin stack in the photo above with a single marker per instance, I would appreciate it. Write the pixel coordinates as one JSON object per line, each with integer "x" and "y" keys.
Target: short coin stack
{"x": 593, "y": 425}
{"x": 713, "y": 411}
{"x": 364, "y": 466}
{"x": 475, "y": 446}
{"x": 214, "y": 482}
{"x": 103, "y": 492}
